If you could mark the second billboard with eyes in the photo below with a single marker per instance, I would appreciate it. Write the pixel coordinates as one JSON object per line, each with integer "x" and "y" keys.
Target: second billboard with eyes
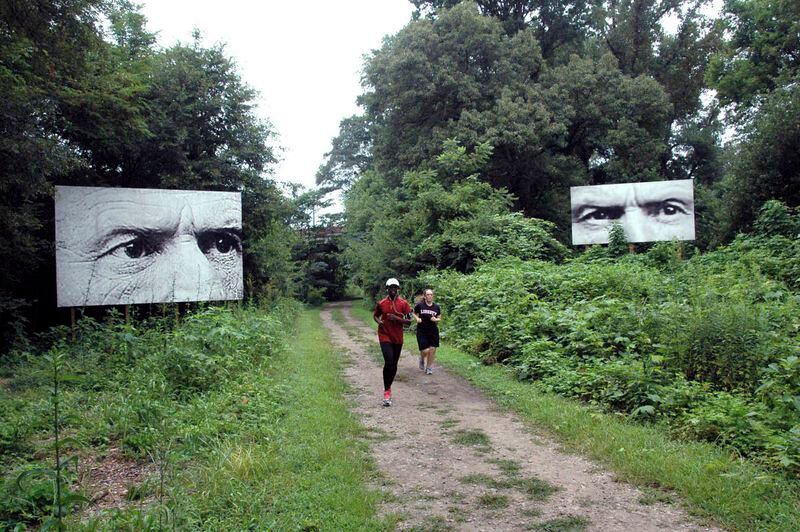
{"x": 648, "y": 212}
{"x": 117, "y": 246}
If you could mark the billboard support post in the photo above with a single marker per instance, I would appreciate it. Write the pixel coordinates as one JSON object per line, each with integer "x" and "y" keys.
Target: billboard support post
{"x": 72, "y": 322}
{"x": 632, "y": 248}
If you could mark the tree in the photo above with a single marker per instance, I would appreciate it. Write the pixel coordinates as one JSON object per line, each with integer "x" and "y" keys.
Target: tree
{"x": 459, "y": 75}
{"x": 762, "y": 53}
{"x": 560, "y": 26}
{"x": 757, "y": 75}
{"x": 84, "y": 107}
{"x": 765, "y": 165}
{"x": 632, "y": 30}
{"x": 438, "y": 218}
{"x": 427, "y": 75}
{"x": 350, "y": 155}
{"x": 44, "y": 52}
{"x": 323, "y": 274}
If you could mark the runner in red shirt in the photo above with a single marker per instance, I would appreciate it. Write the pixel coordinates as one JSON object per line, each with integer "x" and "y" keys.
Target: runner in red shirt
{"x": 391, "y": 313}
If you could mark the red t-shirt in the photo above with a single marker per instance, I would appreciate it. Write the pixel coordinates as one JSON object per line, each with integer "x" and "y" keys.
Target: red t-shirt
{"x": 391, "y": 330}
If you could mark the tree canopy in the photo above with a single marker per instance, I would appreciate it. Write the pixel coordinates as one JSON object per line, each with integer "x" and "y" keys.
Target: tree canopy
{"x": 90, "y": 99}
{"x": 574, "y": 92}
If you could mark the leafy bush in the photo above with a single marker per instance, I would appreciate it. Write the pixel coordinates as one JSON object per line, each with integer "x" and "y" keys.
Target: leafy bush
{"x": 709, "y": 345}
{"x": 776, "y": 219}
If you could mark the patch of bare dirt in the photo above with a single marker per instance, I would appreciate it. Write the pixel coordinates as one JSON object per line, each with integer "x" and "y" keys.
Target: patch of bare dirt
{"x": 452, "y": 460}
{"x": 108, "y": 478}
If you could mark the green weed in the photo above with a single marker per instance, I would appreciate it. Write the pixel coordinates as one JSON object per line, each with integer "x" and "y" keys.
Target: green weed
{"x": 533, "y": 487}
{"x": 655, "y": 496}
{"x": 507, "y": 467}
{"x": 477, "y": 478}
{"x": 448, "y": 423}
{"x": 471, "y": 438}
{"x": 564, "y": 524}
{"x": 493, "y": 501}
{"x": 458, "y": 514}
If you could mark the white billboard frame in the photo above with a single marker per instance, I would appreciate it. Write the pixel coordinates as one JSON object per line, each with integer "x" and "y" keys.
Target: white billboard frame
{"x": 120, "y": 246}
{"x": 649, "y": 211}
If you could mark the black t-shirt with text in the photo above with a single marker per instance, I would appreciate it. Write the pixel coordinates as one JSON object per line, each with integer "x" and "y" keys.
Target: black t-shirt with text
{"x": 426, "y": 312}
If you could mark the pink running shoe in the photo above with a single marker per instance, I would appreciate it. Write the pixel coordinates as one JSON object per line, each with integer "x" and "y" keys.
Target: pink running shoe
{"x": 387, "y": 397}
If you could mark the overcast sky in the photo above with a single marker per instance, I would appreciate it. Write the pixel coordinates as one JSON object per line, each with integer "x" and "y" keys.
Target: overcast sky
{"x": 304, "y": 58}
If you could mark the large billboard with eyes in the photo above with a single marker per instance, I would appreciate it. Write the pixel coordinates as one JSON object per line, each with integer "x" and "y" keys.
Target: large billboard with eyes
{"x": 118, "y": 246}
{"x": 649, "y": 211}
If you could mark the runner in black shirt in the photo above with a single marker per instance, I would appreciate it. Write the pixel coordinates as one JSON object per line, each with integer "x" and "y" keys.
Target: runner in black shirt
{"x": 427, "y": 314}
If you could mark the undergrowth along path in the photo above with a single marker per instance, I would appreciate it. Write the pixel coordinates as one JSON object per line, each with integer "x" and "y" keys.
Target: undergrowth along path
{"x": 299, "y": 463}
{"x": 452, "y": 460}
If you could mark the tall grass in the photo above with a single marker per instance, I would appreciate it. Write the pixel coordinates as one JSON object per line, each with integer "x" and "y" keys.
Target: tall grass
{"x": 305, "y": 469}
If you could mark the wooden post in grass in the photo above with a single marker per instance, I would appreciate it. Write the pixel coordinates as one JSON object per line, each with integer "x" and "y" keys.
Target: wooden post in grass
{"x": 72, "y": 322}
{"x": 679, "y": 250}
{"x": 126, "y": 311}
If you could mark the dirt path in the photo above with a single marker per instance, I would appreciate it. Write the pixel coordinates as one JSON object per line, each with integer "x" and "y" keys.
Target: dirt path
{"x": 452, "y": 460}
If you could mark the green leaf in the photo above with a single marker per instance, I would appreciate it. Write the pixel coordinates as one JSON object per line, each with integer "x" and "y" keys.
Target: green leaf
{"x": 43, "y": 471}
{"x": 73, "y": 498}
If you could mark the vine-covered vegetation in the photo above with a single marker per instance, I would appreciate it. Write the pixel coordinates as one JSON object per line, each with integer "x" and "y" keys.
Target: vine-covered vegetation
{"x": 708, "y": 346}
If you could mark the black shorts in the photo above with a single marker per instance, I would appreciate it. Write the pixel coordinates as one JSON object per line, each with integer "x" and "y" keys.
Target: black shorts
{"x": 427, "y": 338}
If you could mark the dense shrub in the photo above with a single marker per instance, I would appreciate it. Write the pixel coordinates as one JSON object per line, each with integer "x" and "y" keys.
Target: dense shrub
{"x": 709, "y": 345}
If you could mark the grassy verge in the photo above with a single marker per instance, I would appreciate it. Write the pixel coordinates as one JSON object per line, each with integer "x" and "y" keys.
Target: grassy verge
{"x": 713, "y": 484}
{"x": 309, "y": 473}
{"x": 231, "y": 420}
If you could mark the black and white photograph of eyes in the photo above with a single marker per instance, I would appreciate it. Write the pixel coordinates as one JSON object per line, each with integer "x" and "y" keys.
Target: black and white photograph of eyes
{"x": 123, "y": 246}
{"x": 648, "y": 212}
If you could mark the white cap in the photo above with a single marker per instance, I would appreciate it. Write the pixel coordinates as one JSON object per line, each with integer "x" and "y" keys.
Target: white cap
{"x": 392, "y": 281}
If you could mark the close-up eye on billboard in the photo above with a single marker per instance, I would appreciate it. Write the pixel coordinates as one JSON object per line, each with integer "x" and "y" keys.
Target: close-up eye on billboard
{"x": 117, "y": 246}
{"x": 648, "y": 212}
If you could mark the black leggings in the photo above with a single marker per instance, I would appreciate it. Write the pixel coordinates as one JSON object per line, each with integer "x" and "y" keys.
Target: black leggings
{"x": 391, "y": 354}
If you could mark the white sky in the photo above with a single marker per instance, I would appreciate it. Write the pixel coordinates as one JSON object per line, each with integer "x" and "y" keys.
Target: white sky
{"x": 304, "y": 58}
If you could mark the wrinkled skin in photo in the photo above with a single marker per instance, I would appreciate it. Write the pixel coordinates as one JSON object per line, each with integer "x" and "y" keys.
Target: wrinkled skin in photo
{"x": 648, "y": 212}
{"x": 122, "y": 246}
